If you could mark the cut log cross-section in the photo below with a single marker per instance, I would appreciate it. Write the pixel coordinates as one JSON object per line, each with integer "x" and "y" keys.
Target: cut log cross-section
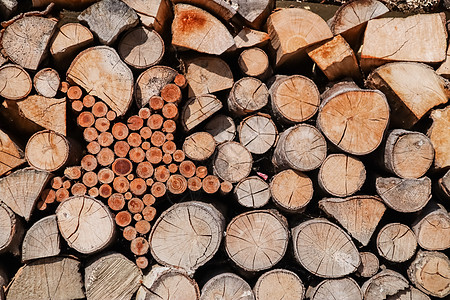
{"x": 21, "y": 189}
{"x": 15, "y": 82}
{"x": 257, "y": 240}
{"x": 369, "y": 264}
{"x": 198, "y": 109}
{"x": 153, "y": 14}
{"x": 193, "y": 28}
{"x": 386, "y": 283}
{"x": 279, "y": 284}
{"x": 353, "y": 119}
{"x": 252, "y": 192}
{"x": 255, "y": 62}
{"x": 85, "y": 223}
{"x": 232, "y": 162}
{"x": 222, "y": 128}
{"x": 195, "y": 227}
{"x": 100, "y": 71}
{"x": 345, "y": 288}
{"x": 69, "y": 39}
{"x": 432, "y": 228}
{"x": 11, "y": 156}
{"x": 151, "y": 82}
{"x": 292, "y": 30}
{"x": 359, "y": 215}
{"x": 396, "y": 242}
{"x": 46, "y": 82}
{"x": 320, "y": 256}
{"x": 247, "y": 95}
{"x": 258, "y": 133}
{"x": 438, "y": 137}
{"x": 229, "y": 286}
{"x": 42, "y": 239}
{"x": 33, "y": 31}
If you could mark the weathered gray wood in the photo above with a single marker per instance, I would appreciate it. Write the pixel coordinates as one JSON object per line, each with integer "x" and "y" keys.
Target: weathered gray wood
{"x": 15, "y": 82}
{"x": 279, "y": 284}
{"x": 384, "y": 284}
{"x": 396, "y": 242}
{"x": 247, "y": 95}
{"x": 154, "y": 14}
{"x": 198, "y": 109}
{"x": 252, "y": 192}
{"x": 108, "y": 18}
{"x": 7, "y": 7}
{"x": 42, "y": 239}
{"x": 232, "y": 162}
{"x": 258, "y": 133}
{"x": 369, "y": 264}
{"x": 222, "y": 128}
{"x": 11, "y": 230}
{"x": 150, "y": 83}
{"x": 345, "y": 288}
{"x": 46, "y": 82}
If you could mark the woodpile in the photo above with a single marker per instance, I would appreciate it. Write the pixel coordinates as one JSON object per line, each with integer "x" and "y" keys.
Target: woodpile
{"x": 205, "y": 150}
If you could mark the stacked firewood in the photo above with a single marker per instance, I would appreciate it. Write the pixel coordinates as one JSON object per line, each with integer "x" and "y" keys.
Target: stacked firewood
{"x": 223, "y": 150}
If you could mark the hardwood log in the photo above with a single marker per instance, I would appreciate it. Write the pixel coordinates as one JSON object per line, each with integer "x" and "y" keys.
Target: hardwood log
{"x": 360, "y": 126}
{"x": 11, "y": 156}
{"x": 232, "y": 162}
{"x": 351, "y": 18}
{"x": 248, "y": 37}
{"x": 69, "y": 39}
{"x": 383, "y": 284}
{"x": 108, "y": 18}
{"x": 369, "y": 264}
{"x": 359, "y": 215}
{"x": 294, "y": 98}
{"x": 410, "y": 97}
{"x": 345, "y": 288}
{"x": 111, "y": 276}
{"x": 193, "y": 28}
{"x": 396, "y": 242}
{"x": 154, "y": 14}
{"x": 429, "y": 272}
{"x": 301, "y": 147}
{"x": 222, "y": 128}
{"x": 254, "y": 62}
{"x": 198, "y": 109}
{"x": 335, "y": 58}
{"x": 62, "y": 280}
{"x": 291, "y": 190}
{"x": 341, "y": 175}
{"x": 229, "y": 286}
{"x": 109, "y": 78}
{"x": 46, "y": 82}
{"x": 438, "y": 136}
{"x": 252, "y": 192}
{"x": 443, "y": 186}
{"x": 207, "y": 74}
{"x": 195, "y": 226}
{"x": 16, "y": 82}
{"x": 48, "y": 150}
{"x": 35, "y": 113}
{"x": 151, "y": 82}
{"x": 279, "y": 284}
{"x": 404, "y": 195}
{"x": 402, "y": 148}
{"x": 292, "y": 30}
{"x": 247, "y": 95}
{"x": 21, "y": 189}
{"x": 85, "y": 223}
{"x": 141, "y": 48}
{"x": 199, "y": 146}
{"x": 163, "y": 283}
{"x": 42, "y": 239}
{"x": 11, "y": 230}
{"x": 33, "y": 31}
{"x": 316, "y": 254}
{"x": 257, "y": 240}
{"x": 432, "y": 228}
{"x": 401, "y": 39}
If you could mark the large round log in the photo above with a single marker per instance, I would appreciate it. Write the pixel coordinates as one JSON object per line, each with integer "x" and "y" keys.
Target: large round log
{"x": 257, "y": 240}
{"x": 320, "y": 256}
{"x": 432, "y": 228}
{"x": 187, "y": 235}
{"x": 279, "y": 284}
{"x": 86, "y": 224}
{"x": 42, "y": 239}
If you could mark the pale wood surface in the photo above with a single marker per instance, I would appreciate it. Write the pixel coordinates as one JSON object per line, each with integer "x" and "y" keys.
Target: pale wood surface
{"x": 42, "y": 239}
{"x": 248, "y": 37}
{"x": 198, "y": 109}
{"x": 369, "y": 264}
{"x": 222, "y": 128}
{"x": 69, "y": 38}
{"x": 232, "y": 162}
{"x": 329, "y": 255}
{"x": 252, "y": 192}
{"x": 345, "y": 288}
{"x": 33, "y": 31}
{"x": 187, "y": 235}
{"x": 291, "y": 190}
{"x": 291, "y": 30}
{"x": 409, "y": 294}
{"x": 199, "y": 146}
{"x": 193, "y": 28}
{"x": 111, "y": 276}
{"x": 11, "y": 230}
{"x": 86, "y": 224}
{"x": 15, "y": 82}
{"x": 257, "y": 240}
{"x": 224, "y": 9}
{"x": 11, "y": 156}
{"x": 21, "y": 189}
{"x": 154, "y": 13}
{"x": 438, "y": 134}
{"x": 254, "y": 62}
{"x": 258, "y": 133}
{"x": 384, "y": 284}
{"x": 279, "y": 284}
{"x": 247, "y": 95}
{"x": 151, "y": 82}
{"x": 396, "y": 242}
{"x": 341, "y": 175}
{"x": 430, "y": 273}
{"x": 48, "y": 278}
{"x": 46, "y": 82}
{"x": 100, "y": 71}
{"x": 207, "y": 74}
{"x": 359, "y": 215}
{"x": 227, "y": 286}
{"x": 432, "y": 228}
{"x": 108, "y": 18}
{"x": 404, "y": 195}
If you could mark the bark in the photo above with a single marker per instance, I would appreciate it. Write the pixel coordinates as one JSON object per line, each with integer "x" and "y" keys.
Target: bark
{"x": 11, "y": 231}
